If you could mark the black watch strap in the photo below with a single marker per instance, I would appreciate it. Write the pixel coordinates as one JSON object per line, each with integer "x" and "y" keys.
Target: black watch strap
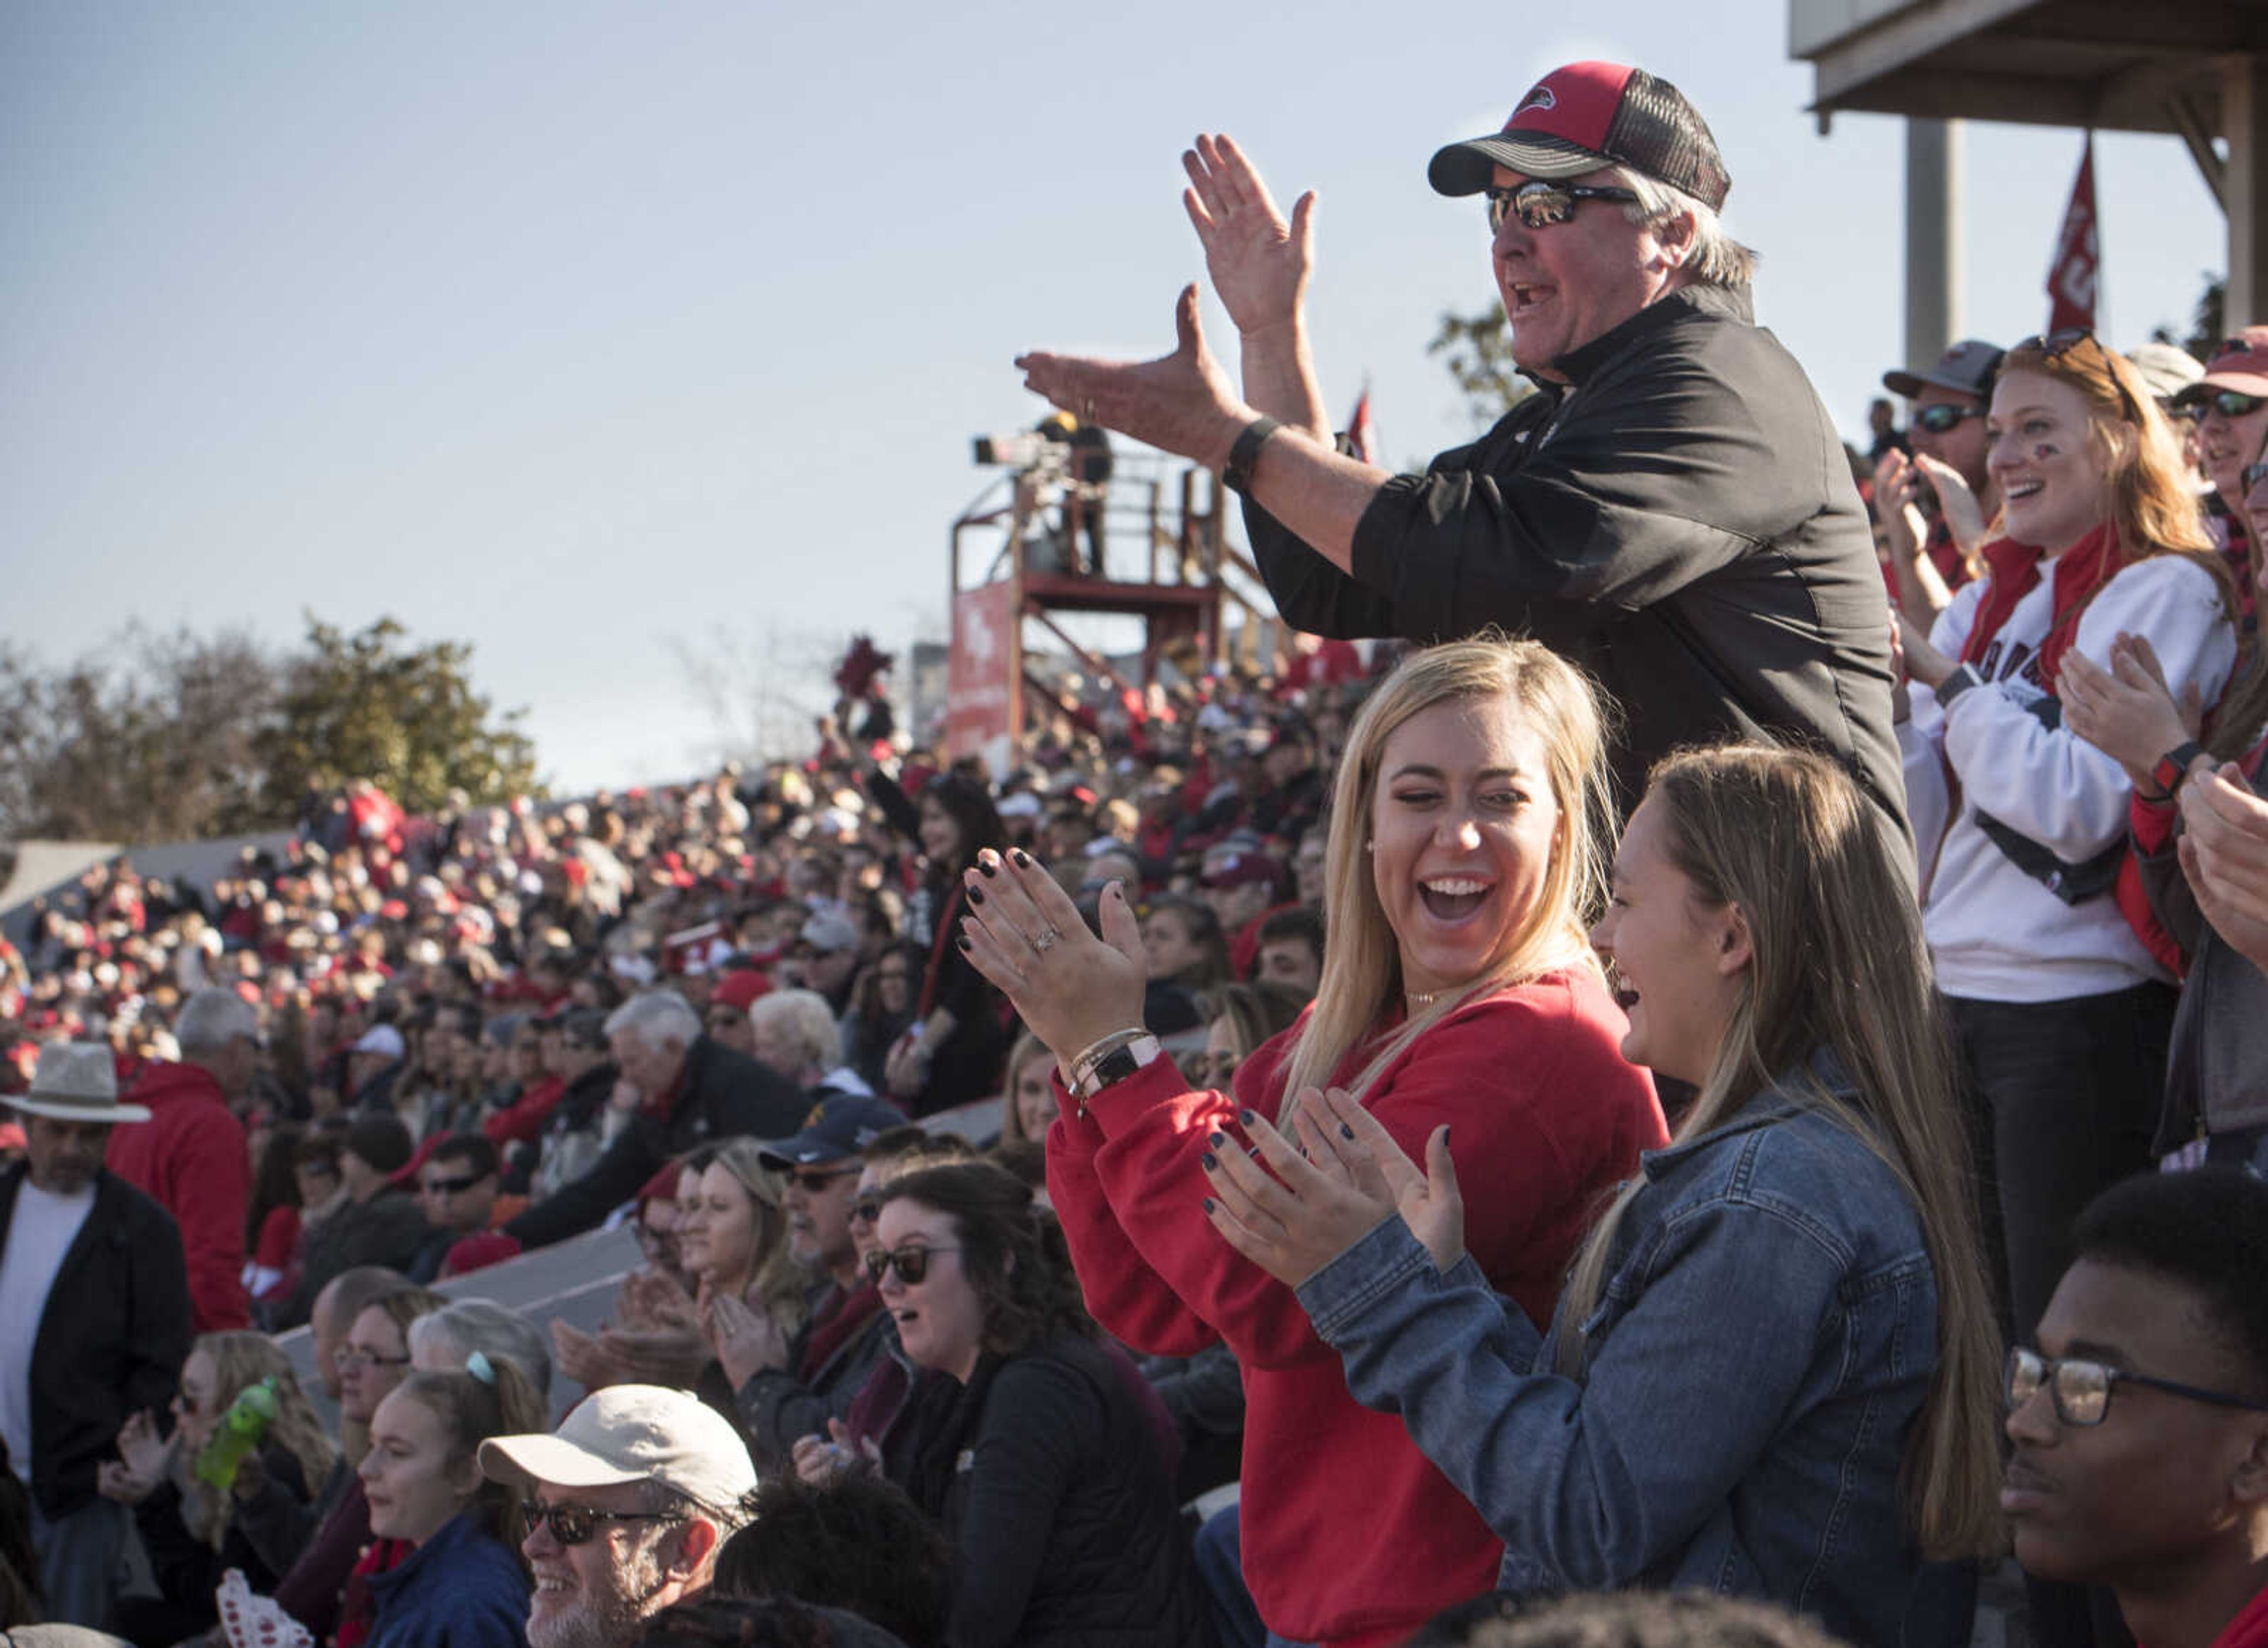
{"x": 1236, "y": 473}
{"x": 1959, "y": 682}
{"x": 2173, "y": 769}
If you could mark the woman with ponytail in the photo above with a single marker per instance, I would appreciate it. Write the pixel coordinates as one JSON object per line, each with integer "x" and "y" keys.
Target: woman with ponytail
{"x": 462, "y": 1584}
{"x": 1774, "y": 1370}
{"x": 1467, "y": 819}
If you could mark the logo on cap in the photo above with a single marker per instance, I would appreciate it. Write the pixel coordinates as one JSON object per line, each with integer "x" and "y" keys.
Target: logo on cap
{"x": 1542, "y": 98}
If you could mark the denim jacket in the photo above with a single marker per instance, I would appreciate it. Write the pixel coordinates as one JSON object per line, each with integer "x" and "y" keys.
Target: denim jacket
{"x": 1751, "y": 1373}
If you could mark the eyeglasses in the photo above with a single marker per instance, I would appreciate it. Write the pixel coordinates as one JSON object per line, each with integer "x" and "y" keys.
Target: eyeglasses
{"x": 573, "y": 1525}
{"x": 1942, "y": 417}
{"x": 910, "y": 1263}
{"x": 1539, "y": 205}
{"x": 350, "y": 1357}
{"x": 867, "y": 1212}
{"x": 725, "y": 1019}
{"x": 451, "y": 1187}
{"x": 817, "y": 1183}
{"x": 2081, "y": 1388}
{"x": 2230, "y": 403}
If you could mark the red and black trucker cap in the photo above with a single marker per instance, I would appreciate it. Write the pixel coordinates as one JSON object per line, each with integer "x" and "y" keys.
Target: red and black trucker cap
{"x": 1584, "y": 115}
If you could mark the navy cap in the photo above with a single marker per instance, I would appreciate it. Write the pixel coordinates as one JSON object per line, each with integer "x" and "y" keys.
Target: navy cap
{"x": 839, "y": 1126}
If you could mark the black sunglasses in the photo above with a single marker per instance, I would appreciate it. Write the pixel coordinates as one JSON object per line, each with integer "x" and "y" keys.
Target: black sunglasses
{"x": 1539, "y": 205}
{"x": 2081, "y": 1388}
{"x": 451, "y": 1187}
{"x": 816, "y": 1182}
{"x": 1943, "y": 416}
{"x": 573, "y": 1525}
{"x": 2230, "y": 403}
{"x": 2055, "y": 345}
{"x": 867, "y": 1212}
{"x": 910, "y": 1263}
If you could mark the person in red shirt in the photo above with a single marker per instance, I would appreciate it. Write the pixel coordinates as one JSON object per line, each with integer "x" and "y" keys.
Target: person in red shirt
{"x": 192, "y": 1159}
{"x": 1458, "y": 988}
{"x": 2139, "y": 1415}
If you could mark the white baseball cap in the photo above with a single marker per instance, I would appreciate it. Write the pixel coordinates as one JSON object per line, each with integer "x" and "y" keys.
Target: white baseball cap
{"x": 632, "y": 1433}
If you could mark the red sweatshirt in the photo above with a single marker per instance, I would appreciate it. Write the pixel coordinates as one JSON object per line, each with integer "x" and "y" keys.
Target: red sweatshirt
{"x": 1349, "y": 1535}
{"x": 191, "y": 1159}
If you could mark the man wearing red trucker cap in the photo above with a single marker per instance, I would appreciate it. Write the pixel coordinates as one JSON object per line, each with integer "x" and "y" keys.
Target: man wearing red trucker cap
{"x": 1673, "y": 509}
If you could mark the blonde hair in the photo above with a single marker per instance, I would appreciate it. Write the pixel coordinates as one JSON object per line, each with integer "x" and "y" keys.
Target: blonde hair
{"x": 774, "y": 1274}
{"x": 1362, "y": 961}
{"x": 1838, "y": 961}
{"x": 239, "y": 1361}
{"x": 1028, "y": 1047}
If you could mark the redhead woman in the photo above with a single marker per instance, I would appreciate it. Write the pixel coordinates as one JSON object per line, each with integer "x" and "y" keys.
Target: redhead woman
{"x": 2061, "y": 1012}
{"x": 1774, "y": 1370}
{"x": 1458, "y": 988}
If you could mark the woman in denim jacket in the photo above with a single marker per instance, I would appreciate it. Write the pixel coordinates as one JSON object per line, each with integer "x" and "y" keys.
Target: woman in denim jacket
{"x": 1774, "y": 1369}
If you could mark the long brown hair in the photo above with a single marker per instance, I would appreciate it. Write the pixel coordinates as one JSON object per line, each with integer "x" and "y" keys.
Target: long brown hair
{"x": 471, "y": 1410}
{"x": 1362, "y": 962}
{"x": 773, "y": 1272}
{"x": 1839, "y": 962}
{"x": 1013, "y": 1252}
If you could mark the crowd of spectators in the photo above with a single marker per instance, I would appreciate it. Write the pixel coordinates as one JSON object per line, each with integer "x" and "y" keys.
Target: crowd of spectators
{"x": 1813, "y": 956}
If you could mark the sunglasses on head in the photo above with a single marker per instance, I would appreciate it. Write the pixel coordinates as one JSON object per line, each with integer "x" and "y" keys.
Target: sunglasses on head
{"x": 574, "y": 1525}
{"x": 2081, "y": 1387}
{"x": 1539, "y": 205}
{"x": 910, "y": 1263}
{"x": 1944, "y": 415}
{"x": 2053, "y": 346}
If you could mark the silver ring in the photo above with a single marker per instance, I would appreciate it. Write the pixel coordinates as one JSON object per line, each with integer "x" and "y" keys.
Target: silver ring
{"x": 1044, "y": 940}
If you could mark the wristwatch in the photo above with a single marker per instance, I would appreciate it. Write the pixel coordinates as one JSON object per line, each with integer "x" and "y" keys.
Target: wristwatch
{"x": 1964, "y": 676}
{"x": 1236, "y": 473}
{"x": 2173, "y": 770}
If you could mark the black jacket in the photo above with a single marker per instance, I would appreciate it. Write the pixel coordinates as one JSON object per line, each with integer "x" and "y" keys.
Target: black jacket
{"x": 386, "y": 1230}
{"x": 1680, "y": 520}
{"x": 1049, "y": 1483}
{"x": 721, "y": 1094}
{"x": 111, "y": 1341}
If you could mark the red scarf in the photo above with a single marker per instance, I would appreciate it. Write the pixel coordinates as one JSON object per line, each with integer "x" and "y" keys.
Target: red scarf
{"x": 2012, "y": 570}
{"x": 842, "y": 1317}
{"x": 356, "y": 1608}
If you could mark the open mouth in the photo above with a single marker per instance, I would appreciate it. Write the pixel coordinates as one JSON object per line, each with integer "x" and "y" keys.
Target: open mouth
{"x": 1453, "y": 898}
{"x": 2017, "y": 490}
{"x": 1526, "y": 296}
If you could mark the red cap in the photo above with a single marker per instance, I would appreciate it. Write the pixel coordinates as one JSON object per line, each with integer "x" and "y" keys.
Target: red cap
{"x": 740, "y": 987}
{"x": 1585, "y": 115}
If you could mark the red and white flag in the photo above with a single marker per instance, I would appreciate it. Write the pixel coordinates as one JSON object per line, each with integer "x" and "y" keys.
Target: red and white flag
{"x": 2074, "y": 278}
{"x": 1362, "y": 434}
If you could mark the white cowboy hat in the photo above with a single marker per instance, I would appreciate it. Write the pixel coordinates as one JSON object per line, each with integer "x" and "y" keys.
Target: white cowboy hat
{"x": 75, "y": 1081}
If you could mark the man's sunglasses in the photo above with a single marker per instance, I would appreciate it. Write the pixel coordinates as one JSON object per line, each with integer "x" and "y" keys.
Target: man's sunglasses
{"x": 451, "y": 1187}
{"x": 2230, "y": 403}
{"x": 1944, "y": 416}
{"x": 815, "y": 1183}
{"x": 910, "y": 1263}
{"x": 2081, "y": 1388}
{"x": 1539, "y": 205}
{"x": 574, "y": 1525}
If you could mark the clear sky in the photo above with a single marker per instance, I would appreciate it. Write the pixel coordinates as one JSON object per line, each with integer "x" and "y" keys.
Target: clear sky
{"x": 590, "y": 332}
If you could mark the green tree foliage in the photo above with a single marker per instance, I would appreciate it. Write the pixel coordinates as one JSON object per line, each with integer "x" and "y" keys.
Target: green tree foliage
{"x": 2206, "y": 320}
{"x": 1478, "y": 352}
{"x": 369, "y": 705}
{"x": 156, "y": 738}
{"x": 148, "y": 738}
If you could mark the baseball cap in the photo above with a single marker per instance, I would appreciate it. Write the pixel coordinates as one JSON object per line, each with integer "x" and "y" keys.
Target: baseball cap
{"x": 1584, "y": 115}
{"x": 381, "y": 1039}
{"x": 739, "y": 987}
{"x": 1236, "y": 869}
{"x": 831, "y": 931}
{"x": 631, "y": 1433}
{"x": 2238, "y": 363}
{"x": 2166, "y": 368}
{"x": 839, "y": 1126}
{"x": 1968, "y": 368}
